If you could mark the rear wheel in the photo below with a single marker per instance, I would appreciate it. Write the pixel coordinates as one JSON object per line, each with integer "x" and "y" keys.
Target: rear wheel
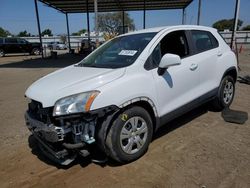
{"x": 2, "y": 54}
{"x": 225, "y": 94}
{"x": 36, "y": 51}
{"x": 130, "y": 135}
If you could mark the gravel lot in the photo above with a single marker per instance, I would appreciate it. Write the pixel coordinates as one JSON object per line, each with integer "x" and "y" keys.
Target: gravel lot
{"x": 198, "y": 149}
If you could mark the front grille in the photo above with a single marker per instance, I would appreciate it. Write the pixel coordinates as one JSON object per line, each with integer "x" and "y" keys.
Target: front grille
{"x": 39, "y": 113}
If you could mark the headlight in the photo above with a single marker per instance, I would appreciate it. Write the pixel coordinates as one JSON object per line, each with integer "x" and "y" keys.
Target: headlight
{"x": 75, "y": 103}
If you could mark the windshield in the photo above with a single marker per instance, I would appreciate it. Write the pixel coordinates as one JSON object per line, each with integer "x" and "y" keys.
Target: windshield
{"x": 119, "y": 52}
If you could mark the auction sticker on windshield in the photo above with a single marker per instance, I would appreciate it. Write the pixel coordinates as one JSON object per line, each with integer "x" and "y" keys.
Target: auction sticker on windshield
{"x": 128, "y": 52}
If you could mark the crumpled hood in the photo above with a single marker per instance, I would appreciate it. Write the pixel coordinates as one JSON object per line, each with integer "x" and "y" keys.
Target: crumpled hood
{"x": 70, "y": 80}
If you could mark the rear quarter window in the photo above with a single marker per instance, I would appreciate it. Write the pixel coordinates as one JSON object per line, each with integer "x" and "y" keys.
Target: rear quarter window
{"x": 203, "y": 40}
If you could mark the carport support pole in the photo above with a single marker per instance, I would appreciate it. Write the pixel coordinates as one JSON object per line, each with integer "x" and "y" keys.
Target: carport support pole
{"x": 87, "y": 8}
{"x": 144, "y": 14}
{"x": 123, "y": 23}
{"x": 96, "y": 22}
{"x": 183, "y": 16}
{"x": 38, "y": 26}
{"x": 236, "y": 17}
{"x": 199, "y": 13}
{"x": 67, "y": 21}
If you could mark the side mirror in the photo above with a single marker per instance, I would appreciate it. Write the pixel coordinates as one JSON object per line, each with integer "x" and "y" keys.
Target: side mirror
{"x": 169, "y": 60}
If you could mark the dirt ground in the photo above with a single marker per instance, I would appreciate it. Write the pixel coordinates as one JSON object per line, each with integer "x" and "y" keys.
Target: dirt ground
{"x": 198, "y": 149}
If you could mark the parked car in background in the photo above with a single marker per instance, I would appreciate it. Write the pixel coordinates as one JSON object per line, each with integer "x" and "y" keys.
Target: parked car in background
{"x": 122, "y": 93}
{"x": 57, "y": 46}
{"x": 86, "y": 46}
{"x": 12, "y": 45}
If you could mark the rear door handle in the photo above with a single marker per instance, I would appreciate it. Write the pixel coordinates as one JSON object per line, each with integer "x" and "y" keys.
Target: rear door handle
{"x": 193, "y": 66}
{"x": 219, "y": 53}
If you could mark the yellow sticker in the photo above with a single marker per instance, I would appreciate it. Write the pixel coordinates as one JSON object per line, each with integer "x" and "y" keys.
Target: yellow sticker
{"x": 124, "y": 117}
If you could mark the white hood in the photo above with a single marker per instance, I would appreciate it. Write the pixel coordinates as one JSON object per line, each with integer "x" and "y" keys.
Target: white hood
{"x": 70, "y": 80}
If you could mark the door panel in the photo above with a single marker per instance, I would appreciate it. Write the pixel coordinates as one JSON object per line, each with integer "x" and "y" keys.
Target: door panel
{"x": 207, "y": 65}
{"x": 206, "y": 47}
{"x": 11, "y": 45}
{"x": 179, "y": 84}
{"x": 177, "y": 87}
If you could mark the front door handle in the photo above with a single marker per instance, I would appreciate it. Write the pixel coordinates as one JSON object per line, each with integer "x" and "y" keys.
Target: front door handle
{"x": 193, "y": 66}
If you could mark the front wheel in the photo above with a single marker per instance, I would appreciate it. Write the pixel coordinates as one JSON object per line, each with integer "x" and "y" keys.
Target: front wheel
{"x": 225, "y": 94}
{"x": 130, "y": 135}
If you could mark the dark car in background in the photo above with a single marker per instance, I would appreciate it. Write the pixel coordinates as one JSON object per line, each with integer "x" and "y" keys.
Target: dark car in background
{"x": 11, "y": 45}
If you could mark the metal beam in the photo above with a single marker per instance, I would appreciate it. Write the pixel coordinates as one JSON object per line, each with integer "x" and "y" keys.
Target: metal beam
{"x": 114, "y": 10}
{"x": 96, "y": 22}
{"x": 123, "y": 22}
{"x": 87, "y": 8}
{"x": 79, "y": 6}
{"x": 199, "y": 13}
{"x": 183, "y": 16}
{"x": 144, "y": 14}
{"x": 236, "y": 17}
{"x": 67, "y": 21}
{"x": 38, "y": 26}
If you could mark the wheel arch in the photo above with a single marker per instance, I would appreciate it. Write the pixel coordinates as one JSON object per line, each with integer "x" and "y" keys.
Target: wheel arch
{"x": 232, "y": 71}
{"x": 106, "y": 122}
{"x": 145, "y": 103}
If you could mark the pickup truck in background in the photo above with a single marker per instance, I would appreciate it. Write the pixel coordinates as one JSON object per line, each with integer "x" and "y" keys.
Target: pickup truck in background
{"x": 11, "y": 45}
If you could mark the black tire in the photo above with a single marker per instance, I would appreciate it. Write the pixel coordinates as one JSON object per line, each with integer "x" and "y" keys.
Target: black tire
{"x": 220, "y": 102}
{"x": 35, "y": 51}
{"x": 114, "y": 145}
{"x": 2, "y": 54}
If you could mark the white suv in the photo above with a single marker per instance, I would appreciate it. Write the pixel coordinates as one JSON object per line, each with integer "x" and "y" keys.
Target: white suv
{"x": 119, "y": 95}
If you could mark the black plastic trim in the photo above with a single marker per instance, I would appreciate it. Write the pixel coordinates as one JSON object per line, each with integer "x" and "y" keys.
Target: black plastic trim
{"x": 228, "y": 70}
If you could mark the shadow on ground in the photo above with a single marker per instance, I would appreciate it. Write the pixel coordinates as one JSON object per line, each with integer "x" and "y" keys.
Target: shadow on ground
{"x": 60, "y": 62}
{"x": 169, "y": 127}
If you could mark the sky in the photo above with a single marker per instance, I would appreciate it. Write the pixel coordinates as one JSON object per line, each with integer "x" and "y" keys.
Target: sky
{"x": 19, "y": 15}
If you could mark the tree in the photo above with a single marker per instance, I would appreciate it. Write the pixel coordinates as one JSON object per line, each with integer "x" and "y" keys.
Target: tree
{"x": 224, "y": 24}
{"x": 63, "y": 39}
{"x": 246, "y": 28}
{"x": 82, "y": 31}
{"x": 111, "y": 23}
{"x": 24, "y": 34}
{"x": 47, "y": 32}
{"x": 4, "y": 33}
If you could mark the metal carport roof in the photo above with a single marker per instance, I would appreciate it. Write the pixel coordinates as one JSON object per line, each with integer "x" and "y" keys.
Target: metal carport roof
{"x": 87, "y": 6}
{"x": 80, "y": 6}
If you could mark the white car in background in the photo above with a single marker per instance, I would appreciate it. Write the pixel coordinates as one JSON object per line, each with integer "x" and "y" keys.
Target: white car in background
{"x": 118, "y": 96}
{"x": 57, "y": 46}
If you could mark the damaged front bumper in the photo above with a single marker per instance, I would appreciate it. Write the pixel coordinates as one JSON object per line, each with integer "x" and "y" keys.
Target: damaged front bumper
{"x": 63, "y": 138}
{"x": 50, "y": 139}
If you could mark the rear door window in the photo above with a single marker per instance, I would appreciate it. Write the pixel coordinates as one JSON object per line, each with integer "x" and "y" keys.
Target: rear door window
{"x": 203, "y": 40}
{"x": 1, "y": 40}
{"x": 10, "y": 40}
